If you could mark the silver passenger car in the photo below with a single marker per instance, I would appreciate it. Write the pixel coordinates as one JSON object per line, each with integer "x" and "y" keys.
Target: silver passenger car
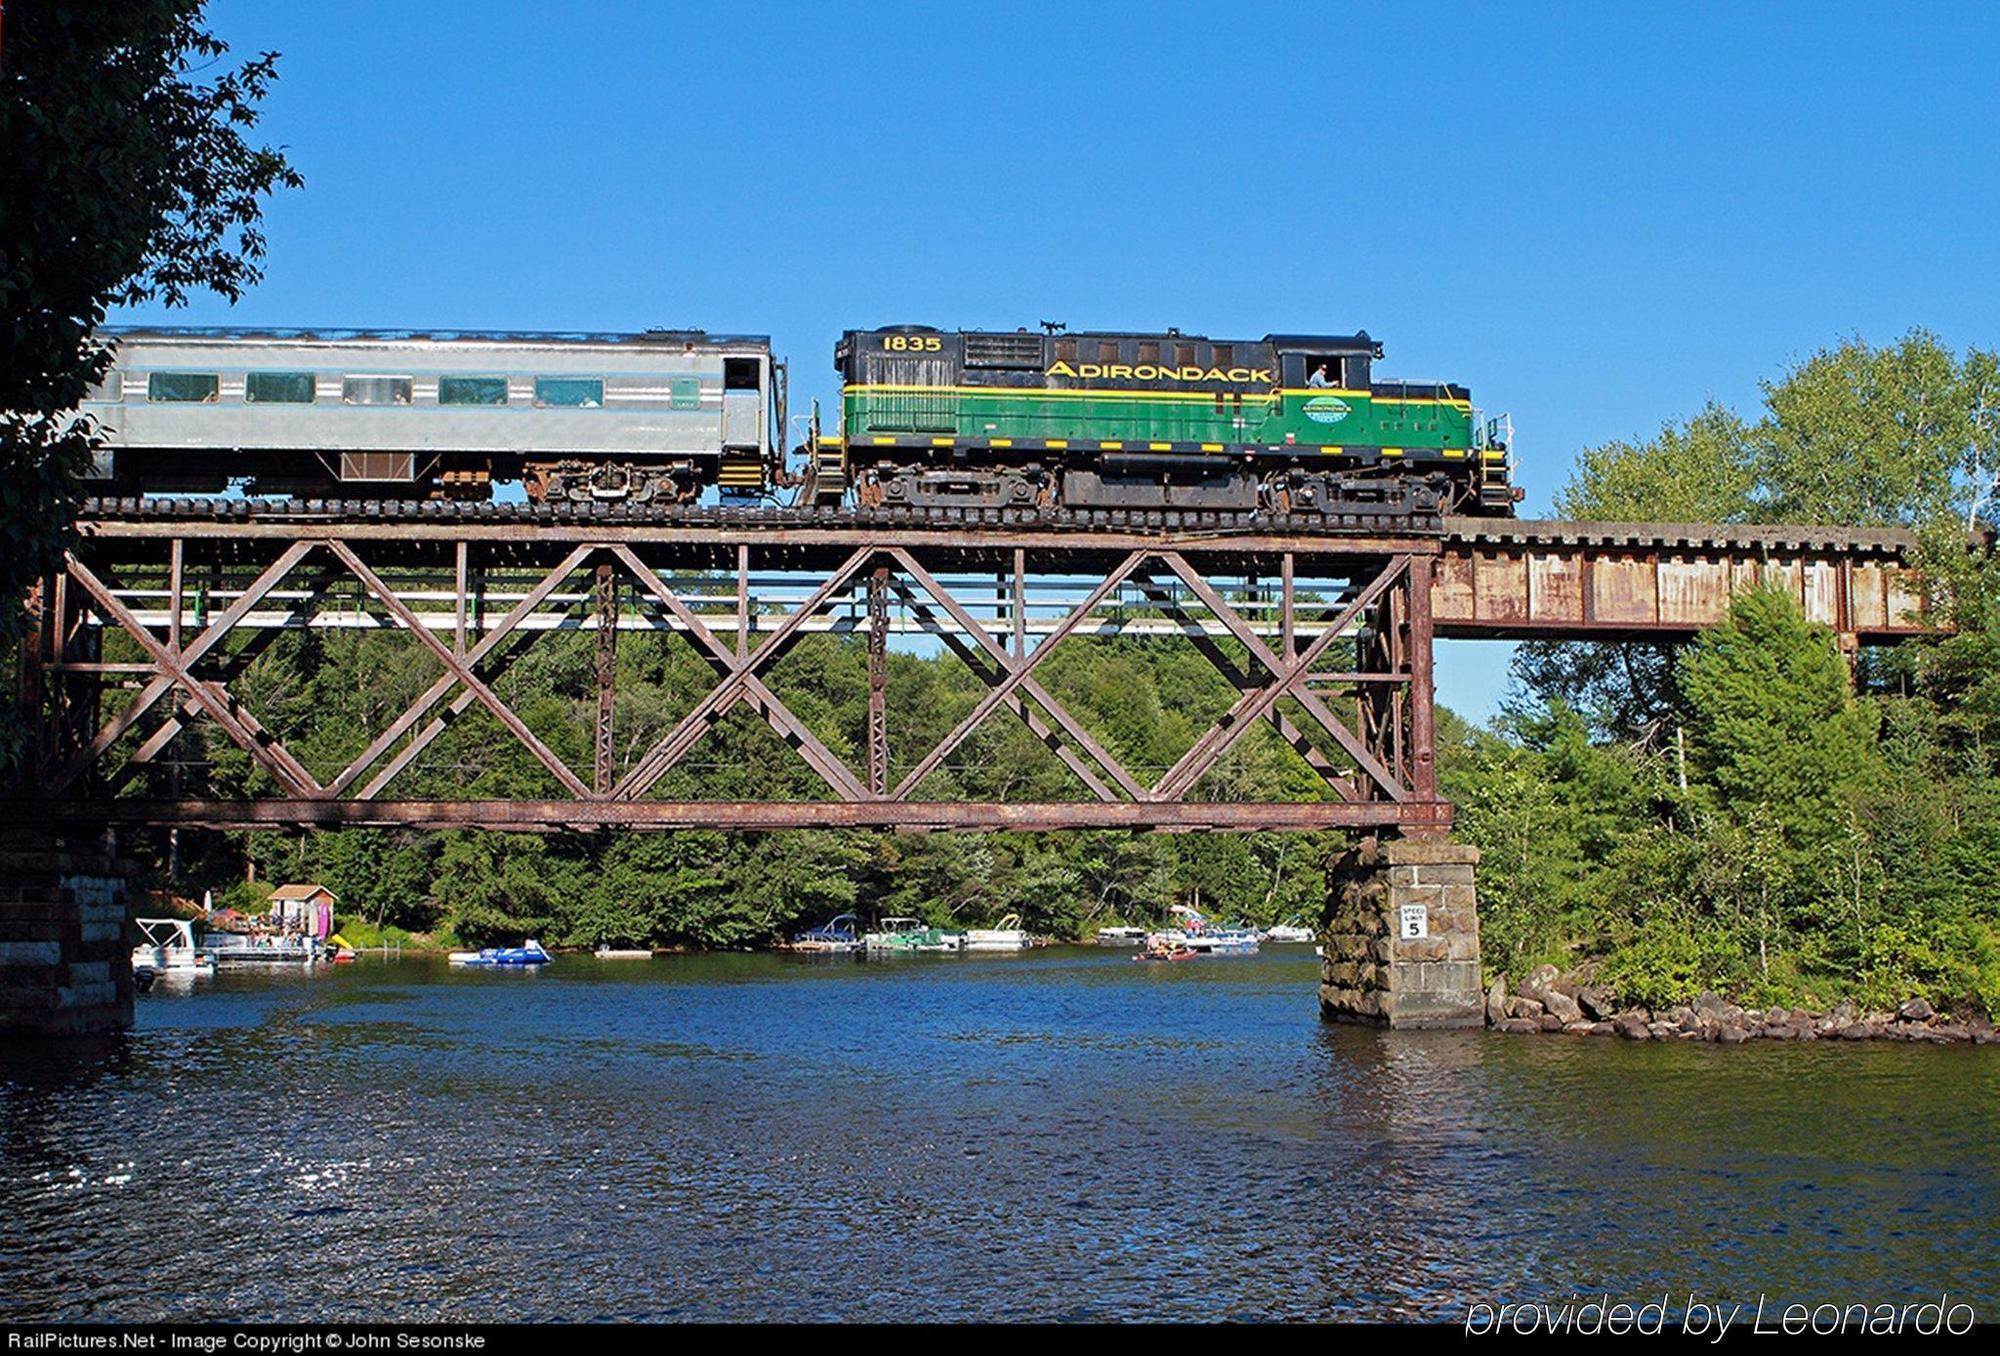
{"x": 640, "y": 417}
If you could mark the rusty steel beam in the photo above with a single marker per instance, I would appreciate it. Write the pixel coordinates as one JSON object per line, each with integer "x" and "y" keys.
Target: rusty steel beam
{"x": 878, "y": 682}
{"x": 1287, "y": 681}
{"x": 421, "y": 707}
{"x": 545, "y": 816}
{"x": 604, "y": 750}
{"x": 1631, "y": 581}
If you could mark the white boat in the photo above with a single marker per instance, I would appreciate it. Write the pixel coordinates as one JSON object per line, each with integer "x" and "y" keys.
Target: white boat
{"x": 626, "y": 953}
{"x": 1009, "y": 936}
{"x": 169, "y": 949}
{"x": 1121, "y": 936}
{"x": 1225, "y": 941}
{"x": 911, "y": 934}
{"x": 1287, "y": 934}
{"x": 1203, "y": 937}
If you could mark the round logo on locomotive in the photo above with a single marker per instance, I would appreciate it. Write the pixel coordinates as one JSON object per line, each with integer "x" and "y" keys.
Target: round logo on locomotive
{"x": 1326, "y": 409}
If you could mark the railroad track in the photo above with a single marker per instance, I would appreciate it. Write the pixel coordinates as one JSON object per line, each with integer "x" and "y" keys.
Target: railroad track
{"x": 210, "y": 510}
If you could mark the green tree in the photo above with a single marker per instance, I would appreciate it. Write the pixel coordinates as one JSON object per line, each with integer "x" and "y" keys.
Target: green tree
{"x": 1878, "y": 437}
{"x": 1773, "y": 720}
{"x": 1699, "y": 470}
{"x": 127, "y": 177}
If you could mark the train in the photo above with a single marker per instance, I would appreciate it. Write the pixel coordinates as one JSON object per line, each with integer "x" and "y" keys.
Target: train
{"x": 927, "y": 419}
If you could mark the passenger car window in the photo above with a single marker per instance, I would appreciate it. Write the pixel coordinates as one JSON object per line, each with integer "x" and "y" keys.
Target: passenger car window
{"x": 279, "y": 388}
{"x": 572, "y": 392}
{"x": 472, "y": 390}
{"x": 181, "y": 388}
{"x": 112, "y": 388}
{"x": 375, "y": 390}
{"x": 684, "y": 393}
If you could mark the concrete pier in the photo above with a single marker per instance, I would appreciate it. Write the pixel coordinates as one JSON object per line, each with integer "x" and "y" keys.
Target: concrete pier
{"x": 65, "y": 952}
{"x": 1401, "y": 936}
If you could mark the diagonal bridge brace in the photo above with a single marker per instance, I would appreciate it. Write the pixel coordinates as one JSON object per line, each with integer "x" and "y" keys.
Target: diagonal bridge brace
{"x": 213, "y": 634}
{"x": 460, "y": 669}
{"x": 1330, "y": 772}
{"x": 1018, "y": 673}
{"x": 1006, "y": 662}
{"x": 1288, "y": 677}
{"x": 736, "y": 684}
{"x": 486, "y": 647}
{"x": 727, "y": 661}
{"x": 214, "y": 699}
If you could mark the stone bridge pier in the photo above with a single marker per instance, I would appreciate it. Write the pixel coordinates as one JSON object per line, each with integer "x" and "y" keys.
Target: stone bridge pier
{"x": 1400, "y": 939}
{"x": 65, "y": 956}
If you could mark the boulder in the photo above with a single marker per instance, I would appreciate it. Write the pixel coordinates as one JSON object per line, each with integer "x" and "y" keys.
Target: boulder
{"x": 1662, "y": 1031}
{"x": 1578, "y": 1028}
{"x": 1598, "y": 1001}
{"x": 1632, "y": 1027}
{"x": 1496, "y": 1001}
{"x": 1859, "y": 1031}
{"x": 1731, "y": 1034}
{"x": 1844, "y": 1013}
{"x": 1517, "y": 1026}
{"x": 1523, "y": 1007}
{"x": 1550, "y": 1022}
{"x": 1715, "y": 1008}
{"x": 1915, "y": 1010}
{"x": 1562, "y": 1005}
{"x": 1601, "y": 1029}
{"x": 1541, "y": 977}
{"x": 1680, "y": 1016}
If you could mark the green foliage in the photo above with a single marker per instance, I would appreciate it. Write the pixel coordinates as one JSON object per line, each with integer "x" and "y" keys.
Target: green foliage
{"x": 127, "y": 177}
{"x": 1698, "y": 471}
{"x": 1737, "y": 815}
{"x": 1775, "y": 729}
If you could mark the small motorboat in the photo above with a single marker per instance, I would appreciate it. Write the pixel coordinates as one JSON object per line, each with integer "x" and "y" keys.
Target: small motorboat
{"x": 507, "y": 956}
{"x": 623, "y": 953}
{"x": 1121, "y": 936}
{"x": 1167, "y": 951}
{"x": 1292, "y": 933}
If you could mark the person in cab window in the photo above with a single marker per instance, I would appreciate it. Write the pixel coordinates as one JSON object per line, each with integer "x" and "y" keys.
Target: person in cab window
{"x": 1318, "y": 377}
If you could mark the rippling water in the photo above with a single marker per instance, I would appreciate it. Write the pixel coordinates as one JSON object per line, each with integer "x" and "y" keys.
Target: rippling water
{"x": 1062, "y": 1135}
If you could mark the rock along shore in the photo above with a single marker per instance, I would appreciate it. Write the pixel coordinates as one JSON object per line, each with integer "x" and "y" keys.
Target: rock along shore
{"x": 1573, "y": 1004}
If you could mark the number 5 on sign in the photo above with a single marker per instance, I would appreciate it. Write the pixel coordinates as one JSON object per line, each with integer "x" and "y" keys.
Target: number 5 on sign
{"x": 1416, "y": 920}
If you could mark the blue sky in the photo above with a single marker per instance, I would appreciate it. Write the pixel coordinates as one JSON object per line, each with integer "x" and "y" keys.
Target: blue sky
{"x": 1597, "y": 216}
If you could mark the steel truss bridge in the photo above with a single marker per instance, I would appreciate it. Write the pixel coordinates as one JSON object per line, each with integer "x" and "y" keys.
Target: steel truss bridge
{"x": 1326, "y": 639}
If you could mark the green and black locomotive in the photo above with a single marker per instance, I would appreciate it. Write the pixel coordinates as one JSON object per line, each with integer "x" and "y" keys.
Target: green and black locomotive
{"x": 1287, "y": 423}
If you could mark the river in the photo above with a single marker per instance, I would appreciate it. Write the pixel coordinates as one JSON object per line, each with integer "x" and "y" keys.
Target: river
{"x": 1058, "y": 1135}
